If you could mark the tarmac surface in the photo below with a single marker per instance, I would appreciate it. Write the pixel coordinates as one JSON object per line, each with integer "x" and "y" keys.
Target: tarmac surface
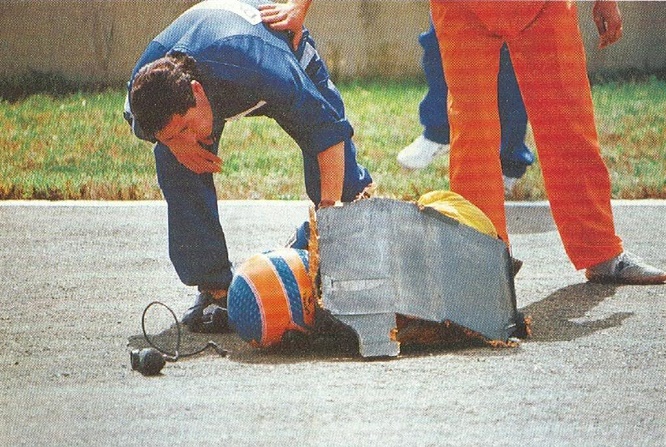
{"x": 78, "y": 275}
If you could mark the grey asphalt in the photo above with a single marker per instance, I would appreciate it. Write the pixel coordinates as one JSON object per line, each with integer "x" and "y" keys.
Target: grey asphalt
{"x": 77, "y": 276}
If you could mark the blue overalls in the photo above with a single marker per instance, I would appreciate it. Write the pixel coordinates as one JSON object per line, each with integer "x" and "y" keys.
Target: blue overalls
{"x": 514, "y": 154}
{"x": 246, "y": 70}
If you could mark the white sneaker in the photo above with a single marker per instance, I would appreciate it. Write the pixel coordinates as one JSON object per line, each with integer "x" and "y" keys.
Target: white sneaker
{"x": 509, "y": 184}
{"x": 420, "y": 153}
{"x": 625, "y": 268}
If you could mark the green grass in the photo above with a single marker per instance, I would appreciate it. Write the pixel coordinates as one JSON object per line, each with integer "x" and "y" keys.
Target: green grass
{"x": 77, "y": 146}
{"x": 74, "y": 147}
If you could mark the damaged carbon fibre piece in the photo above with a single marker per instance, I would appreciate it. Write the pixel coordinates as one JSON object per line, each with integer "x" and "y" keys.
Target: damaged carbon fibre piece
{"x": 383, "y": 257}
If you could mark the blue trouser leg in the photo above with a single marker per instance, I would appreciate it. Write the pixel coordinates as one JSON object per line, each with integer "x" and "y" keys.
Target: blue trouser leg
{"x": 432, "y": 109}
{"x": 356, "y": 177}
{"x": 197, "y": 245}
{"x": 514, "y": 154}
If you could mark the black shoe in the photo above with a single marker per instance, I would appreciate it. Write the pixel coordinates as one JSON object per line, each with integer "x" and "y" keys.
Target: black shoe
{"x": 195, "y": 312}
{"x": 214, "y": 321}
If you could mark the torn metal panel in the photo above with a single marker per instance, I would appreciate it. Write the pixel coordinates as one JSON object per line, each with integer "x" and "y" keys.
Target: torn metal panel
{"x": 380, "y": 257}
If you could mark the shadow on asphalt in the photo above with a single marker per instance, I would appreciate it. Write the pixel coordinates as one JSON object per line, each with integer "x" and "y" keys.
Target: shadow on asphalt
{"x": 551, "y": 317}
{"x": 551, "y": 321}
{"x": 341, "y": 347}
{"x": 240, "y": 351}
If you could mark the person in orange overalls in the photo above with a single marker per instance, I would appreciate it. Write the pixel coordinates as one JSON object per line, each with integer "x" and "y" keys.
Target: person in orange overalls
{"x": 547, "y": 51}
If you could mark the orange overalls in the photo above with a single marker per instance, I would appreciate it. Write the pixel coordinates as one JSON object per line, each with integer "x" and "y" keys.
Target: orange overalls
{"x": 549, "y": 61}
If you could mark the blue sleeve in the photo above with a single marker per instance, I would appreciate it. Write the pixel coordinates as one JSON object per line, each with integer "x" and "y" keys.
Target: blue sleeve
{"x": 276, "y": 77}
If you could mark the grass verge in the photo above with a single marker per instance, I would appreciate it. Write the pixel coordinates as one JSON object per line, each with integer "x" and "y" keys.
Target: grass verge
{"x": 77, "y": 146}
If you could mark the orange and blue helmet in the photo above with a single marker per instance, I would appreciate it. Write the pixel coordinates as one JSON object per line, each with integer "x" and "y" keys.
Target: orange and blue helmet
{"x": 270, "y": 294}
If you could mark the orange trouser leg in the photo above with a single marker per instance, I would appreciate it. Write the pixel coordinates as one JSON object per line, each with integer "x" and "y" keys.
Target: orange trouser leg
{"x": 556, "y": 91}
{"x": 471, "y": 62}
{"x": 549, "y": 62}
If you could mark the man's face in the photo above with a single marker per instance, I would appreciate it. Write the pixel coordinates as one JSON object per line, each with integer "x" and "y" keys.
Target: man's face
{"x": 194, "y": 128}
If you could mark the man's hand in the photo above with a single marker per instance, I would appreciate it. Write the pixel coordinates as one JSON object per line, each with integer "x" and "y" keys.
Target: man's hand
{"x": 196, "y": 158}
{"x": 608, "y": 19}
{"x": 288, "y": 16}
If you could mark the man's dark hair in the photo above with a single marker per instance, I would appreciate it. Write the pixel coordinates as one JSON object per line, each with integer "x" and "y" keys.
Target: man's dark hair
{"x": 162, "y": 89}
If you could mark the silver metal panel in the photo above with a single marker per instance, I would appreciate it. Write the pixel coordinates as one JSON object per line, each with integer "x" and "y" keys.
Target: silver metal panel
{"x": 380, "y": 257}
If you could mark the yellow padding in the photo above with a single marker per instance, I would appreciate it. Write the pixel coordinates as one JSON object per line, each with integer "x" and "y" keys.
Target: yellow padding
{"x": 457, "y": 207}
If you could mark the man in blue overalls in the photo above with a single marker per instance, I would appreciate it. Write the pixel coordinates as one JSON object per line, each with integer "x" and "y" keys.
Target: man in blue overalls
{"x": 217, "y": 62}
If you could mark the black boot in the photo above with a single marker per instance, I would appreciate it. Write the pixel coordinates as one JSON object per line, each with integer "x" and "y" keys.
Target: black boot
{"x": 214, "y": 321}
